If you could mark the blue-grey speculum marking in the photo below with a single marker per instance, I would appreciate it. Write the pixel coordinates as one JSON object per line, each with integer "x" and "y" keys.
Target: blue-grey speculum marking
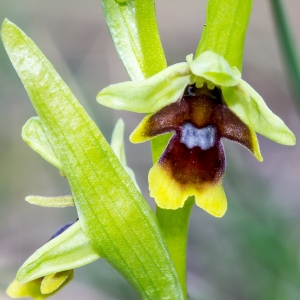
{"x": 204, "y": 138}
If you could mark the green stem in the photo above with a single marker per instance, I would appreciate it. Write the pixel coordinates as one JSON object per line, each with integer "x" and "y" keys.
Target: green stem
{"x": 153, "y": 53}
{"x": 287, "y": 46}
{"x": 174, "y": 224}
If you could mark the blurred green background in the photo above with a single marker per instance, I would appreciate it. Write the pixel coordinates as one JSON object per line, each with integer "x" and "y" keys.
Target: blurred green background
{"x": 252, "y": 252}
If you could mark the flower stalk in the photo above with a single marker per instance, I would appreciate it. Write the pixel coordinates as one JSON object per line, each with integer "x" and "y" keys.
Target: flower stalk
{"x": 174, "y": 225}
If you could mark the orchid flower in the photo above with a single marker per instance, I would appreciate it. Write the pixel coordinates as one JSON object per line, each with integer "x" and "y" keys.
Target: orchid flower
{"x": 197, "y": 103}
{"x": 200, "y": 101}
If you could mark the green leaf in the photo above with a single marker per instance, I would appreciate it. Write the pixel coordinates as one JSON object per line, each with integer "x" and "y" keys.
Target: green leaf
{"x": 34, "y": 135}
{"x": 249, "y": 106}
{"x": 114, "y": 216}
{"x": 121, "y": 23}
{"x": 225, "y": 29}
{"x": 148, "y": 95}
{"x": 70, "y": 250}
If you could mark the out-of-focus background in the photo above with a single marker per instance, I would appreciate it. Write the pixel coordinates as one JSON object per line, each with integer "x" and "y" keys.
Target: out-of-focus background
{"x": 253, "y": 251}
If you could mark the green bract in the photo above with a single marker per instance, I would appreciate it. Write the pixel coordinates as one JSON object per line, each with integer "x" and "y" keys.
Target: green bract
{"x": 225, "y": 29}
{"x": 115, "y": 221}
{"x": 120, "y": 18}
{"x": 168, "y": 86}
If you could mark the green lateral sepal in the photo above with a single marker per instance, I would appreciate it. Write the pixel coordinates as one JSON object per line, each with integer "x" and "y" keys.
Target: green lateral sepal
{"x": 148, "y": 95}
{"x": 250, "y": 107}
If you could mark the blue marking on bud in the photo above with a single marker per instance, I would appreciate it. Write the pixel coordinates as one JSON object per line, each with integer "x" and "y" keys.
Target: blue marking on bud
{"x": 62, "y": 229}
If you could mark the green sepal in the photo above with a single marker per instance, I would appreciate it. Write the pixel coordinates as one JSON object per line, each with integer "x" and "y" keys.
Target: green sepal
{"x": 249, "y": 106}
{"x": 61, "y": 201}
{"x": 117, "y": 144}
{"x": 114, "y": 216}
{"x": 34, "y": 135}
{"x": 120, "y": 18}
{"x": 69, "y": 250}
{"x": 148, "y": 95}
{"x": 213, "y": 67}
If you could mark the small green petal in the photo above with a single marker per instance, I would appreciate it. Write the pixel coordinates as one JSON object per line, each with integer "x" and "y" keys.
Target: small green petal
{"x": 53, "y": 282}
{"x": 34, "y": 135}
{"x": 117, "y": 144}
{"x": 249, "y": 106}
{"x": 214, "y": 68}
{"x": 148, "y": 95}
{"x": 62, "y": 201}
{"x": 70, "y": 250}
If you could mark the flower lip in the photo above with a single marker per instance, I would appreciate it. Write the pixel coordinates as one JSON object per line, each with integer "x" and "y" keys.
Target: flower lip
{"x": 193, "y": 162}
{"x": 205, "y": 138}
